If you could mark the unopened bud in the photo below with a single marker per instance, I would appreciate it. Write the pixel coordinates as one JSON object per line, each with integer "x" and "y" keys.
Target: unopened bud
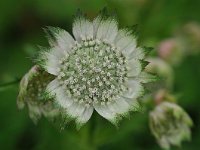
{"x": 162, "y": 69}
{"x": 31, "y": 89}
{"x": 171, "y": 51}
{"x": 170, "y": 124}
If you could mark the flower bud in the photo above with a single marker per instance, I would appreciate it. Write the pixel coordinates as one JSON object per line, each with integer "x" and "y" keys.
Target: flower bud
{"x": 31, "y": 91}
{"x": 163, "y": 95}
{"x": 190, "y": 38}
{"x": 170, "y": 124}
{"x": 162, "y": 69}
{"x": 171, "y": 51}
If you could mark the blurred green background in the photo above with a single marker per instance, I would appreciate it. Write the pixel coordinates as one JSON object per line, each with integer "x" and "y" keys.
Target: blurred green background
{"x": 21, "y": 23}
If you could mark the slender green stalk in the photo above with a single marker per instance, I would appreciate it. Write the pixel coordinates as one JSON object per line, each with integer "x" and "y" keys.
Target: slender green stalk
{"x": 5, "y": 85}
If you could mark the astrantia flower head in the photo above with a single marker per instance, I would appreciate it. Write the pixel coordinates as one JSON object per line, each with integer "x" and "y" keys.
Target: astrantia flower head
{"x": 170, "y": 124}
{"x": 32, "y": 86}
{"x": 100, "y": 68}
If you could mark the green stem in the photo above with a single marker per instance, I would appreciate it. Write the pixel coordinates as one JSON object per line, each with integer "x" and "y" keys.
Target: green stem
{"x": 10, "y": 83}
{"x": 87, "y": 135}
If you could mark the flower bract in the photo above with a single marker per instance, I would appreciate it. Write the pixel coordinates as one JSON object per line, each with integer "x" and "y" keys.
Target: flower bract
{"x": 31, "y": 91}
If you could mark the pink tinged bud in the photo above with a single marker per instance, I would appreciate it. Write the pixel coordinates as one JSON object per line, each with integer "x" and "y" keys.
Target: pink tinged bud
{"x": 171, "y": 51}
{"x": 166, "y": 48}
{"x": 163, "y": 95}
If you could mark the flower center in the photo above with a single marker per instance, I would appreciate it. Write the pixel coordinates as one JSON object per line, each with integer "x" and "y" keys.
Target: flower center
{"x": 94, "y": 71}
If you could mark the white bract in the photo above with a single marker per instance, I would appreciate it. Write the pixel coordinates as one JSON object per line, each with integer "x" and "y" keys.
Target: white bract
{"x": 100, "y": 68}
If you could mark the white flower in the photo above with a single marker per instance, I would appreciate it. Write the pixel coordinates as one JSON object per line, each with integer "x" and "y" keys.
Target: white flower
{"x": 31, "y": 89}
{"x": 100, "y": 68}
{"x": 170, "y": 124}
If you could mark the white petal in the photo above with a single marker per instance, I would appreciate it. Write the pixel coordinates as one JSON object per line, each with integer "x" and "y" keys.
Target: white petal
{"x": 96, "y": 24}
{"x": 51, "y": 60}
{"x": 53, "y": 56}
{"x": 126, "y": 42}
{"x": 138, "y": 53}
{"x": 63, "y": 39}
{"x": 105, "y": 29}
{"x": 119, "y": 106}
{"x": 135, "y": 89}
{"x": 134, "y": 67}
{"x": 145, "y": 77}
{"x": 73, "y": 109}
{"x": 62, "y": 99}
{"x": 105, "y": 112}
{"x": 111, "y": 111}
{"x": 52, "y": 86}
{"x": 133, "y": 103}
{"x": 86, "y": 115}
{"x": 82, "y": 28}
